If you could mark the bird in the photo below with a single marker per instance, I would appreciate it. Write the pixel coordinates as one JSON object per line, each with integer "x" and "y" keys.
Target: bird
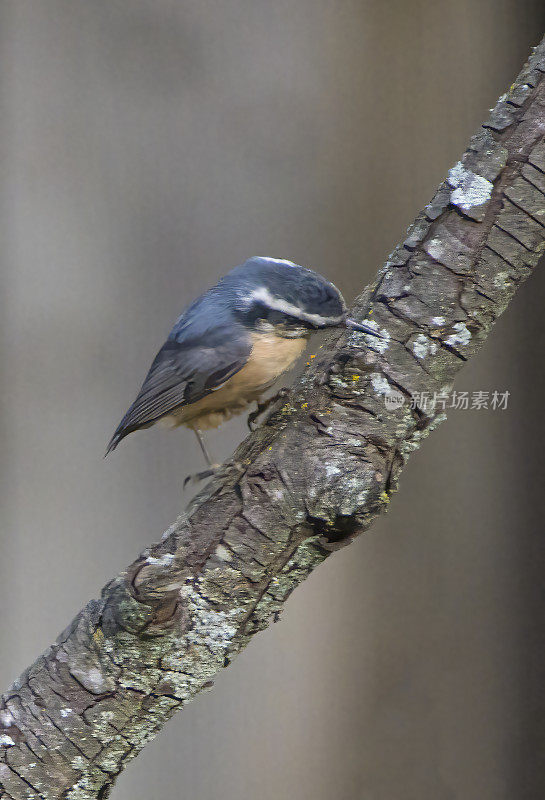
{"x": 231, "y": 344}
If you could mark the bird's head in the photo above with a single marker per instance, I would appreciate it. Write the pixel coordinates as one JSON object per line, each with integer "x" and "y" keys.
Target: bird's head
{"x": 273, "y": 294}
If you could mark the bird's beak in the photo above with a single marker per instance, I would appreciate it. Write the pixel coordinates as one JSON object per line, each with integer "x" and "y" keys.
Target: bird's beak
{"x": 361, "y": 326}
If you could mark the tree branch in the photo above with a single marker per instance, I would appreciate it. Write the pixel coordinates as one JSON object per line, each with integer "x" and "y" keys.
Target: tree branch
{"x": 307, "y": 482}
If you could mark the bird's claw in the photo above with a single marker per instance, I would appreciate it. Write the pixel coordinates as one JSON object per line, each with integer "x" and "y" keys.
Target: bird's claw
{"x": 252, "y": 417}
{"x": 266, "y": 405}
{"x": 197, "y": 477}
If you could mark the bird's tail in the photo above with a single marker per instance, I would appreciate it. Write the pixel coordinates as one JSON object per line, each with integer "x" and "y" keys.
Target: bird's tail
{"x": 114, "y": 441}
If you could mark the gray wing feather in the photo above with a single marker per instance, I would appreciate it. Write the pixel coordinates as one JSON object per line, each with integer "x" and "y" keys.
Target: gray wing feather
{"x": 182, "y": 373}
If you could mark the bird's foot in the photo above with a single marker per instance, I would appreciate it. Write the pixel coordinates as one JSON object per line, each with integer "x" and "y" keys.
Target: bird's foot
{"x": 266, "y": 406}
{"x": 197, "y": 477}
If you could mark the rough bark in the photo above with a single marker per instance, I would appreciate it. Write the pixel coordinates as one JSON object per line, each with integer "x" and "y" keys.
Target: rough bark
{"x": 307, "y": 482}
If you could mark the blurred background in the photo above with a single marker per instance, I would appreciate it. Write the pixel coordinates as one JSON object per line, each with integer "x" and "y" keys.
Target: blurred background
{"x": 147, "y": 147}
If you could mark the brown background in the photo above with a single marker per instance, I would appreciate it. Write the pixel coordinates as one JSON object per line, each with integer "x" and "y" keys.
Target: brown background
{"x": 147, "y": 146}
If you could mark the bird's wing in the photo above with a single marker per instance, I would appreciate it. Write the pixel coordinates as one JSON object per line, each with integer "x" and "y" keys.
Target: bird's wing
{"x": 182, "y": 373}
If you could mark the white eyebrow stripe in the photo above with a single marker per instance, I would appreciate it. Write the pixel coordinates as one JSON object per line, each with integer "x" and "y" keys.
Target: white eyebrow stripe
{"x": 263, "y": 295}
{"x": 277, "y": 260}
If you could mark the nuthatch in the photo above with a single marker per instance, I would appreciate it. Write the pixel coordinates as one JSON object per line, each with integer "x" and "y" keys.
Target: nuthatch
{"x": 231, "y": 344}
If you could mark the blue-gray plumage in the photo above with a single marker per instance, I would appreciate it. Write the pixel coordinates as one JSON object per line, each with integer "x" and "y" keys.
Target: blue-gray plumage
{"x": 232, "y": 343}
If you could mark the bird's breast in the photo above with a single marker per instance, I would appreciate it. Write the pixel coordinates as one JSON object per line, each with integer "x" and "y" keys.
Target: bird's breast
{"x": 270, "y": 356}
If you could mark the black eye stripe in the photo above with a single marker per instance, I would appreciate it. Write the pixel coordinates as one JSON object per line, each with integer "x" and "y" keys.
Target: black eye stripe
{"x": 312, "y": 306}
